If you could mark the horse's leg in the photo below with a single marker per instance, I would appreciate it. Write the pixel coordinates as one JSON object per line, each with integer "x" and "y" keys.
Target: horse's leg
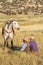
{"x": 5, "y": 40}
{"x": 11, "y": 43}
{"x": 11, "y": 36}
{"x": 4, "y": 43}
{"x": 7, "y": 44}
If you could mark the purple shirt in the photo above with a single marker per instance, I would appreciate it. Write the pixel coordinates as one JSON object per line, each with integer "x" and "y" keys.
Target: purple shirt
{"x": 33, "y": 46}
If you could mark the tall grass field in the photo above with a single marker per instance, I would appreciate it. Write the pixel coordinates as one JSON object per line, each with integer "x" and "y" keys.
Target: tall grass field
{"x": 15, "y": 57}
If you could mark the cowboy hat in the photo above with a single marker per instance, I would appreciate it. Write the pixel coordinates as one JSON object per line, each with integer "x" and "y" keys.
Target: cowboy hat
{"x": 25, "y": 39}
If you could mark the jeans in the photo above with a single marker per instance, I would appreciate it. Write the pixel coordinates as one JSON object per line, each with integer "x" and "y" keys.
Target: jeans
{"x": 23, "y": 47}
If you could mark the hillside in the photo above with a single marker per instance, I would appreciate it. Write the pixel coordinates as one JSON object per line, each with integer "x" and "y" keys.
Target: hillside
{"x": 21, "y": 6}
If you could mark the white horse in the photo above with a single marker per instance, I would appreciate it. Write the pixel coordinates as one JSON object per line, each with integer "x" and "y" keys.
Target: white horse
{"x": 8, "y": 31}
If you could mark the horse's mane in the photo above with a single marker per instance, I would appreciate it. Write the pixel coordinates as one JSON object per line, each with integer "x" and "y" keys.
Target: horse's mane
{"x": 9, "y": 22}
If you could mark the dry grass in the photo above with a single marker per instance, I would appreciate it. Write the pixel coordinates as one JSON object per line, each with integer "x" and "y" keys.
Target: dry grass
{"x": 15, "y": 57}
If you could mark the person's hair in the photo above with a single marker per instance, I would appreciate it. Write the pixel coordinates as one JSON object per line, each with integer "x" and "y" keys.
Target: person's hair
{"x": 23, "y": 40}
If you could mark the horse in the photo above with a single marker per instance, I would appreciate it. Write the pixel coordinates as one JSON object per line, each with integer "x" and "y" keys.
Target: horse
{"x": 8, "y": 31}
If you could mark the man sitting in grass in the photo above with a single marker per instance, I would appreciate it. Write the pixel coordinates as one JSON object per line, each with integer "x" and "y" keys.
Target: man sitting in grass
{"x": 25, "y": 47}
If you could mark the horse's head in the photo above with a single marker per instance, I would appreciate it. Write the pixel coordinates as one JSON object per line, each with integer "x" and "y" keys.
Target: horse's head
{"x": 16, "y": 25}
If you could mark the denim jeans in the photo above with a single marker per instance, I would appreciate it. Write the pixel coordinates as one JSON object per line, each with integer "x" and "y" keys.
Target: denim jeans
{"x": 23, "y": 47}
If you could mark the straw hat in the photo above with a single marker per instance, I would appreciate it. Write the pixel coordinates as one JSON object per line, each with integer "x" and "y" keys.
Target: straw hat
{"x": 25, "y": 39}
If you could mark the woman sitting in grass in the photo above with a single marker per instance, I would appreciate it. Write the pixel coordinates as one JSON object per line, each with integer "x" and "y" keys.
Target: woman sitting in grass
{"x": 33, "y": 44}
{"x": 29, "y": 46}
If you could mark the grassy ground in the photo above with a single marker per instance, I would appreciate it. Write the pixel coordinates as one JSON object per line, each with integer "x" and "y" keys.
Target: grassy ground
{"x": 22, "y": 19}
{"x": 15, "y": 57}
